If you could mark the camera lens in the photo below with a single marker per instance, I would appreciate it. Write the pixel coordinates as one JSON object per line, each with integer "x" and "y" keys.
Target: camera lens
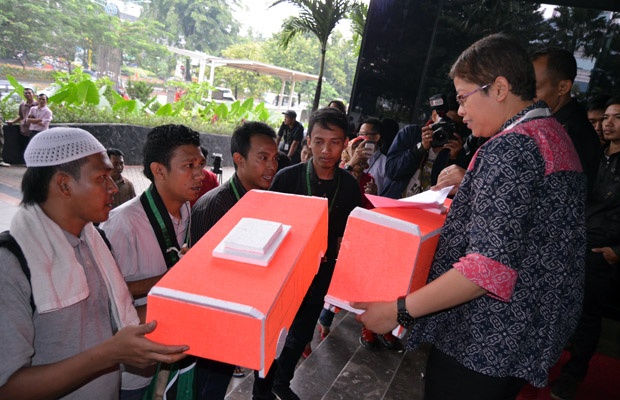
{"x": 440, "y": 135}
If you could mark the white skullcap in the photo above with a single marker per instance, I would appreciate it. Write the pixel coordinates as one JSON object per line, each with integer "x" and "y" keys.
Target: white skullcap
{"x": 60, "y": 145}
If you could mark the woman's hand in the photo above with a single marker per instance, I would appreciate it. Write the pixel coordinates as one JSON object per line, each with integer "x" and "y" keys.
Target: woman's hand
{"x": 450, "y": 176}
{"x": 379, "y": 316}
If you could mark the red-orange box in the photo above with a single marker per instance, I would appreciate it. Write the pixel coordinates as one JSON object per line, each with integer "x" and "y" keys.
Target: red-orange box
{"x": 237, "y": 312}
{"x": 385, "y": 253}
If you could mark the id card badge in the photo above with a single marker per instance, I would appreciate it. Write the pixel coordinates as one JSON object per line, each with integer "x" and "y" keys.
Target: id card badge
{"x": 286, "y": 145}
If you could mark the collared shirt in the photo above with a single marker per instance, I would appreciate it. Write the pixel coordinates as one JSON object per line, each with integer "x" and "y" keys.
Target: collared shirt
{"x": 376, "y": 168}
{"x": 134, "y": 243}
{"x": 31, "y": 340}
{"x": 24, "y": 110}
{"x": 213, "y": 205}
{"x": 42, "y": 113}
{"x": 125, "y": 192}
{"x": 137, "y": 253}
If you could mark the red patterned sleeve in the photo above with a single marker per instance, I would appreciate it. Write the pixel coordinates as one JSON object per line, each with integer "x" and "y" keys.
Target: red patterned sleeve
{"x": 498, "y": 279}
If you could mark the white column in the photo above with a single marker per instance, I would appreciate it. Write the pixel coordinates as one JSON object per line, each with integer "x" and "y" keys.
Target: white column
{"x": 281, "y": 93}
{"x": 201, "y": 71}
{"x": 290, "y": 96}
{"x": 211, "y": 78}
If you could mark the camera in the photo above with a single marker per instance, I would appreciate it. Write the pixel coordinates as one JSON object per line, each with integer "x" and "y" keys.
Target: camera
{"x": 217, "y": 163}
{"x": 443, "y": 131}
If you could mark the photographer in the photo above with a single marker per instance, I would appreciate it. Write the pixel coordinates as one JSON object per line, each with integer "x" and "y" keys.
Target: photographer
{"x": 368, "y": 152}
{"x": 418, "y": 155}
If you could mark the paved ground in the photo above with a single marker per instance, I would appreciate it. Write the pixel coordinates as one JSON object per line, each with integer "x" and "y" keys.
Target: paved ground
{"x": 10, "y": 188}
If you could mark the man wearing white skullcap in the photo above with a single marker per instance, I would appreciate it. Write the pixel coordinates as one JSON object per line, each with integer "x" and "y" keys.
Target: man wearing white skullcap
{"x": 66, "y": 317}
{"x": 173, "y": 162}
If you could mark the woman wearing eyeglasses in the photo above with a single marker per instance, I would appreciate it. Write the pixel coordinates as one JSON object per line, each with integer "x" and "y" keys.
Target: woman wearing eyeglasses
{"x": 505, "y": 287}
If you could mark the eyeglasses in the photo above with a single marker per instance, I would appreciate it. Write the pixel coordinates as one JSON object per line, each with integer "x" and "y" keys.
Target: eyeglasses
{"x": 460, "y": 98}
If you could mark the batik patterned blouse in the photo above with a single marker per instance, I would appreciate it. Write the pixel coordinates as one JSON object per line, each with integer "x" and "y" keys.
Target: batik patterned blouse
{"x": 515, "y": 228}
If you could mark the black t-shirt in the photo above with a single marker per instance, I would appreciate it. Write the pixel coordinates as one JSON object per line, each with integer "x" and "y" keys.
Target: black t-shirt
{"x": 343, "y": 194}
{"x": 289, "y": 135}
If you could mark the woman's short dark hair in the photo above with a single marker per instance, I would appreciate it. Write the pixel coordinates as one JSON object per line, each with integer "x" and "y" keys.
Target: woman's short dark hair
{"x": 493, "y": 56}
{"x": 240, "y": 141}
{"x": 36, "y": 180}
{"x": 327, "y": 116}
{"x": 161, "y": 143}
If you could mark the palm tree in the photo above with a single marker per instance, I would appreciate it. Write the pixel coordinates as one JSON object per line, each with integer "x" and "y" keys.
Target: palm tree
{"x": 320, "y": 18}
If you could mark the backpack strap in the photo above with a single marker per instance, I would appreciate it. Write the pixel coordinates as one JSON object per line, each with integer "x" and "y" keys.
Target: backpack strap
{"x": 9, "y": 242}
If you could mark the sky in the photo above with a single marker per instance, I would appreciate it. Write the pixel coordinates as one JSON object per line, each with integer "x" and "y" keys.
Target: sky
{"x": 257, "y": 15}
{"x": 267, "y": 21}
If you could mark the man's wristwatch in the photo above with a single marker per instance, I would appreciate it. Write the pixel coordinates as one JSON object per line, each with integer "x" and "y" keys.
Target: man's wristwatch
{"x": 348, "y": 167}
{"x": 404, "y": 319}
{"x": 421, "y": 148}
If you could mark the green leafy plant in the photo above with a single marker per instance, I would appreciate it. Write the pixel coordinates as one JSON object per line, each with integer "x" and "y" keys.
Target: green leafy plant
{"x": 140, "y": 90}
{"x": 17, "y": 89}
{"x": 79, "y": 99}
{"x": 75, "y": 88}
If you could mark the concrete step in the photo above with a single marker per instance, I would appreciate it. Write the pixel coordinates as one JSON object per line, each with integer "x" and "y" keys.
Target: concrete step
{"x": 340, "y": 368}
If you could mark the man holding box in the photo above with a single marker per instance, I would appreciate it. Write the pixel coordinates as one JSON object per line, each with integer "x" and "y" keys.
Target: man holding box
{"x": 255, "y": 155}
{"x": 321, "y": 177}
{"x": 67, "y": 320}
{"x": 173, "y": 163}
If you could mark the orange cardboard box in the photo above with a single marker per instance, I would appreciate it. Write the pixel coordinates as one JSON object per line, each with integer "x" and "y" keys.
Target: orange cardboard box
{"x": 234, "y": 311}
{"x": 385, "y": 253}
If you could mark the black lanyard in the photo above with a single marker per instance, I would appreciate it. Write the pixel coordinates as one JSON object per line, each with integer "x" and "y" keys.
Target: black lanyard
{"x": 162, "y": 225}
{"x": 331, "y": 201}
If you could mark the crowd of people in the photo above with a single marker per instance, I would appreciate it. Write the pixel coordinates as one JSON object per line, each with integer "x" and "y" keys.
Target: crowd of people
{"x": 526, "y": 263}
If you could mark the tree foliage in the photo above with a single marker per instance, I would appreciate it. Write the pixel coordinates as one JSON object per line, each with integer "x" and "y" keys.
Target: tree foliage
{"x": 140, "y": 90}
{"x": 202, "y": 25}
{"x": 578, "y": 27}
{"x": 318, "y": 17}
{"x": 40, "y": 28}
